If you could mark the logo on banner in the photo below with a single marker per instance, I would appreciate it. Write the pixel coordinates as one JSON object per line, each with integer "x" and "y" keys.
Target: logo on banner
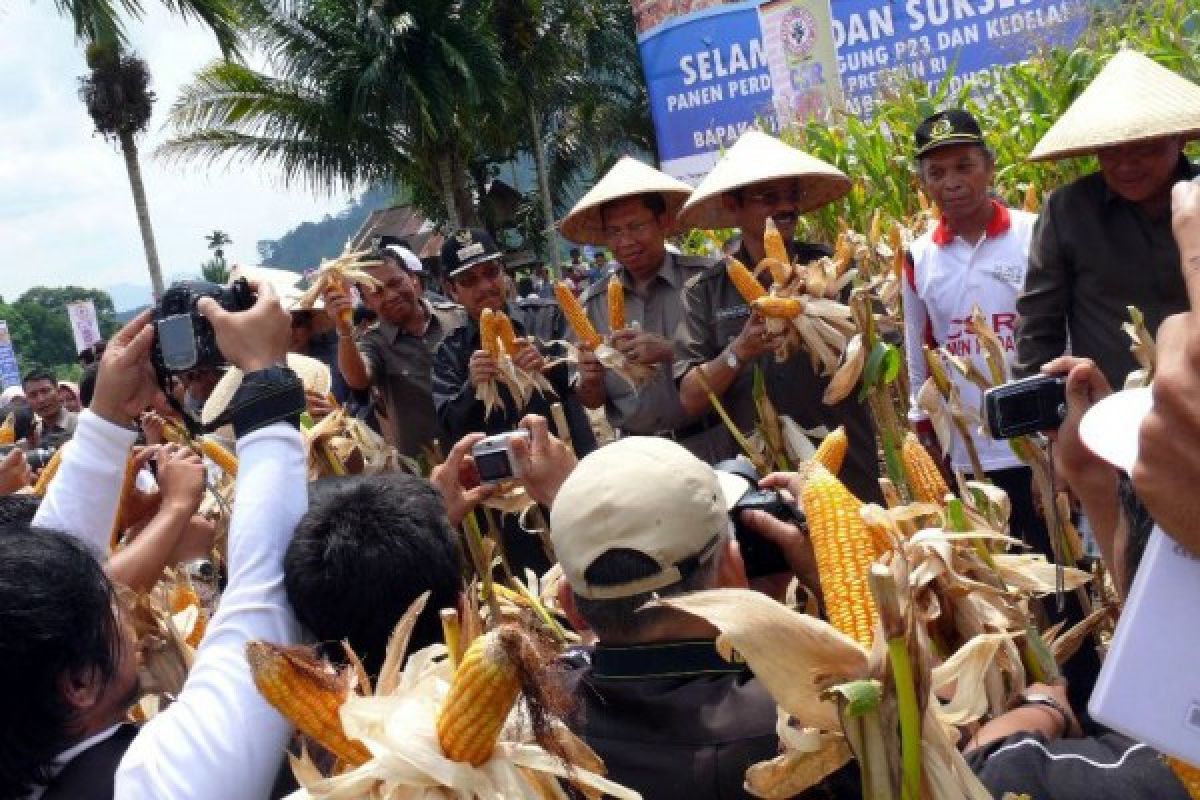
{"x": 800, "y": 32}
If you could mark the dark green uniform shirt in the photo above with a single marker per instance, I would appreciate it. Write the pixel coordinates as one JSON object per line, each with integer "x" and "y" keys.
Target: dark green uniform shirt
{"x": 714, "y": 314}
{"x": 1093, "y": 254}
{"x": 401, "y": 366}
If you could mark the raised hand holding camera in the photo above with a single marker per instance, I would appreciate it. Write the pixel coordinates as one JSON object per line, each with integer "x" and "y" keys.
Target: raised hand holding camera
{"x": 252, "y": 339}
{"x": 126, "y": 385}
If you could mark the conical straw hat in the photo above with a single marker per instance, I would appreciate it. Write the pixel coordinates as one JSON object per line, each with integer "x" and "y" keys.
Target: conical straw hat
{"x": 628, "y": 178}
{"x": 314, "y": 374}
{"x": 756, "y": 157}
{"x": 1131, "y": 100}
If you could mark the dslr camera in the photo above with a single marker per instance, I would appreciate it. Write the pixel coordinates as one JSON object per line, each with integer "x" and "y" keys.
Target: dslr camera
{"x": 184, "y": 338}
{"x": 1019, "y": 408}
{"x": 494, "y": 459}
{"x": 760, "y": 555}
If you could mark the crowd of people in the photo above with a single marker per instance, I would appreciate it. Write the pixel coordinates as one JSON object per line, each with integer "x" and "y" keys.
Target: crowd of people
{"x": 637, "y": 519}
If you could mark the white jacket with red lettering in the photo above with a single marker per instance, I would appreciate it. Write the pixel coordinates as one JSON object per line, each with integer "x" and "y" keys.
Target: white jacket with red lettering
{"x": 945, "y": 277}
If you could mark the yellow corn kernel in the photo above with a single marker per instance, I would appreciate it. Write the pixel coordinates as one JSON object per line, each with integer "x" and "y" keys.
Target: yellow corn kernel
{"x": 778, "y": 307}
{"x": 487, "y": 333}
{"x": 924, "y": 477}
{"x": 484, "y": 690}
{"x": 219, "y": 455}
{"x": 47, "y": 474}
{"x": 616, "y": 304}
{"x": 506, "y": 334}
{"x": 8, "y": 431}
{"x": 1032, "y": 201}
{"x": 844, "y": 550}
{"x": 127, "y": 487}
{"x": 576, "y": 318}
{"x": 831, "y": 453}
{"x": 743, "y": 280}
{"x": 773, "y": 243}
{"x": 308, "y": 693}
{"x": 1188, "y": 775}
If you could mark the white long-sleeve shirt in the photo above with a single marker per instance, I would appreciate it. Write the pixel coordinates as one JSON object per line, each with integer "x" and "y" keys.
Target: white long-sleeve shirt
{"x": 219, "y": 739}
{"x": 945, "y": 277}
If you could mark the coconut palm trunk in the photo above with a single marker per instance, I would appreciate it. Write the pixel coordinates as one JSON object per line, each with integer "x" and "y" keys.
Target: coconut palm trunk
{"x": 543, "y": 178}
{"x": 446, "y": 179}
{"x": 134, "y": 169}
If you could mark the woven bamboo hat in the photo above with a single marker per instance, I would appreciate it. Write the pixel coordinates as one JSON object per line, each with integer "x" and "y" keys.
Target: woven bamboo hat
{"x": 756, "y": 157}
{"x": 628, "y": 178}
{"x": 314, "y": 374}
{"x": 1132, "y": 99}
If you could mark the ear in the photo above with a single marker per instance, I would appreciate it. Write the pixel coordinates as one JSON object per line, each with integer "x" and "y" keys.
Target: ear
{"x": 566, "y": 601}
{"x": 81, "y": 690}
{"x": 731, "y": 569}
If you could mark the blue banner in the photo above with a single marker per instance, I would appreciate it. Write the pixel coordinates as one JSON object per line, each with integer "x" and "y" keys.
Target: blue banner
{"x": 10, "y": 372}
{"x": 709, "y": 70}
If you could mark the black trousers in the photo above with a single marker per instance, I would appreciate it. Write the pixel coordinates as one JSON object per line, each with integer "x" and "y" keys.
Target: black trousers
{"x": 1082, "y": 669}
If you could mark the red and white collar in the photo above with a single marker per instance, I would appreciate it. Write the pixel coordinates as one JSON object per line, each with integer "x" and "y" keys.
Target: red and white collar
{"x": 1000, "y": 222}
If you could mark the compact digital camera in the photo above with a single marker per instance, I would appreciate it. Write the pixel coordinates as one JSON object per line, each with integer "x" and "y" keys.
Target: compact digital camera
{"x": 494, "y": 459}
{"x": 1026, "y": 406}
{"x": 760, "y": 555}
{"x": 184, "y": 338}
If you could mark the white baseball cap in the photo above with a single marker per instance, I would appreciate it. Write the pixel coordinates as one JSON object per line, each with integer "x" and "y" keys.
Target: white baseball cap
{"x": 406, "y": 256}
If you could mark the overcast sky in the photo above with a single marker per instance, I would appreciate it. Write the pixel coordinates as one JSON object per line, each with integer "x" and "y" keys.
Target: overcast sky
{"x": 66, "y": 214}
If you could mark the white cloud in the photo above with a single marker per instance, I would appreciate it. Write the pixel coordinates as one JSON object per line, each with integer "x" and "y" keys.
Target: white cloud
{"x": 66, "y": 213}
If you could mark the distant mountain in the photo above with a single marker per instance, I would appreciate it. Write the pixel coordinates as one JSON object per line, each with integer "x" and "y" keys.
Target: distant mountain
{"x": 303, "y": 247}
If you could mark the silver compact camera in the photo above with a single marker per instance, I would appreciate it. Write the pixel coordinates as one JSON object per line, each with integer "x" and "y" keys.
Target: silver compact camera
{"x": 494, "y": 457}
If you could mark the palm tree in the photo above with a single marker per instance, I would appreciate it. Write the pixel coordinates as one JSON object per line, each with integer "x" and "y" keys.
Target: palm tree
{"x": 358, "y": 92}
{"x": 118, "y": 98}
{"x": 99, "y": 21}
{"x": 215, "y": 269}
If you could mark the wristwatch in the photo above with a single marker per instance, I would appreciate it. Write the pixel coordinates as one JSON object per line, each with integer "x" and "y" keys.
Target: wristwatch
{"x": 1043, "y": 699}
{"x": 731, "y": 359}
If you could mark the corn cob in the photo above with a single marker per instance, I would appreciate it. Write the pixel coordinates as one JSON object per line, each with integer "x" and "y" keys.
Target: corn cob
{"x": 1031, "y": 198}
{"x": 576, "y": 318}
{"x": 127, "y": 487}
{"x": 183, "y": 597}
{"x": 778, "y": 307}
{"x": 484, "y": 690}
{"x": 780, "y": 271}
{"x": 209, "y": 448}
{"x": 831, "y": 453}
{"x": 8, "y": 431}
{"x": 743, "y": 280}
{"x": 773, "y": 244}
{"x": 487, "y": 333}
{"x": 924, "y": 477}
{"x": 1188, "y": 775}
{"x": 616, "y": 304}
{"x": 47, "y": 473}
{"x": 308, "y": 694}
{"x": 506, "y": 334}
{"x": 844, "y": 550}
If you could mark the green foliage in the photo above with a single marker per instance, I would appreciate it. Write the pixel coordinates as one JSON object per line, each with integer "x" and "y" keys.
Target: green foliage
{"x": 41, "y": 330}
{"x": 116, "y": 91}
{"x": 1024, "y": 103}
{"x": 303, "y": 247}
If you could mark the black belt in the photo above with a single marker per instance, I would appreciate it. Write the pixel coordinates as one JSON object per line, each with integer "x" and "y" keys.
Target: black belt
{"x": 706, "y": 422}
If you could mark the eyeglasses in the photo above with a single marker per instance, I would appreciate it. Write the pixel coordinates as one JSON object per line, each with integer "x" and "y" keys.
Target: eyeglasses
{"x": 773, "y": 197}
{"x": 633, "y": 231}
{"x": 487, "y": 271}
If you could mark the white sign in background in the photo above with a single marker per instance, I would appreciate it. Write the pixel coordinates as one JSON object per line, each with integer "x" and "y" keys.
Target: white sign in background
{"x": 85, "y": 327}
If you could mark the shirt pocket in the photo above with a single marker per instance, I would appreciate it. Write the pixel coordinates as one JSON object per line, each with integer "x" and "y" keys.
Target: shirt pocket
{"x": 729, "y": 324}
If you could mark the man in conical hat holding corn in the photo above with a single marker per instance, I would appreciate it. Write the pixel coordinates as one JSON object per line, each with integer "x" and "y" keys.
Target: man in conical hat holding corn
{"x": 1104, "y": 242}
{"x": 720, "y": 341}
{"x": 631, "y": 211}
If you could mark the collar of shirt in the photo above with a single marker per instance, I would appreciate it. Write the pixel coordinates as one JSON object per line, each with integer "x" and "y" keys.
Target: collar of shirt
{"x": 1000, "y": 222}
{"x": 669, "y": 272}
{"x": 1184, "y": 171}
{"x": 64, "y": 758}
{"x": 393, "y": 333}
{"x": 661, "y": 660}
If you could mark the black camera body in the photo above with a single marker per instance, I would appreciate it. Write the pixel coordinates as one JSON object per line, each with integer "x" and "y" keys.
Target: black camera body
{"x": 184, "y": 338}
{"x": 760, "y": 555}
{"x": 1019, "y": 408}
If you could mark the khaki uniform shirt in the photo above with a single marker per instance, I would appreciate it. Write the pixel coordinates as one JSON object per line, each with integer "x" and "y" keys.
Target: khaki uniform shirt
{"x": 714, "y": 315}
{"x": 401, "y": 366}
{"x": 1093, "y": 254}
{"x": 654, "y": 408}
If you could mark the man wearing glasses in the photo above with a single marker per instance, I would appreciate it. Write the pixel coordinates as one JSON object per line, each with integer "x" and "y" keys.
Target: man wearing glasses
{"x": 632, "y": 211}
{"x": 475, "y": 277}
{"x": 396, "y": 356}
{"x": 720, "y": 342}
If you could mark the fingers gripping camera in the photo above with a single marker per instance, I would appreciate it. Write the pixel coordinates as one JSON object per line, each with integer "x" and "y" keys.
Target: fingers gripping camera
{"x": 185, "y": 339}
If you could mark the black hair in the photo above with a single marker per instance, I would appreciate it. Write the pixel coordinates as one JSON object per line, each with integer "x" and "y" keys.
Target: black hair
{"x": 87, "y": 385}
{"x": 574, "y": 252}
{"x": 57, "y": 619}
{"x": 620, "y": 617}
{"x": 39, "y": 374}
{"x": 364, "y": 314}
{"x": 17, "y": 510}
{"x": 367, "y": 547}
{"x": 525, "y": 286}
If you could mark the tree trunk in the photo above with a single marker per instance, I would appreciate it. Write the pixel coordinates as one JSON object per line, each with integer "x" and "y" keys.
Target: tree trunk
{"x": 543, "y": 178}
{"x": 446, "y": 179}
{"x": 129, "y": 150}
